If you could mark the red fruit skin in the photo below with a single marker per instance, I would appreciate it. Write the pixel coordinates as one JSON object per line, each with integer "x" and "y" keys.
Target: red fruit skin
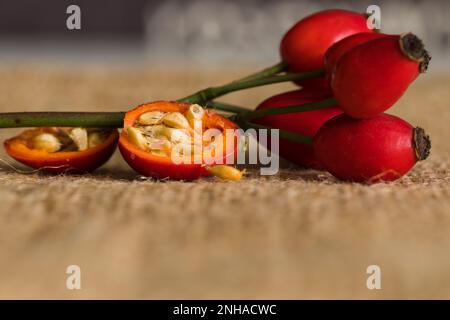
{"x": 371, "y": 77}
{"x": 61, "y": 162}
{"x": 322, "y": 83}
{"x": 303, "y": 47}
{"x": 368, "y": 150}
{"x": 306, "y": 123}
{"x": 337, "y": 50}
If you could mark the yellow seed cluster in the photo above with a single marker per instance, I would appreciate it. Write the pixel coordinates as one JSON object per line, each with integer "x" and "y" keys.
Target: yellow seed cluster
{"x": 160, "y": 132}
{"x": 76, "y": 139}
{"x": 80, "y": 137}
{"x": 151, "y": 118}
{"x": 176, "y": 120}
{"x": 46, "y": 142}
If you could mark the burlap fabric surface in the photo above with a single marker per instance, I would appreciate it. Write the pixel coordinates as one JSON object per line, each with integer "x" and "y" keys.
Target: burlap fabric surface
{"x": 300, "y": 234}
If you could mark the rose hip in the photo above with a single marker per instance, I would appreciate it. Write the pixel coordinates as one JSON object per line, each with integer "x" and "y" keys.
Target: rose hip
{"x": 63, "y": 150}
{"x": 371, "y": 77}
{"x": 154, "y": 132}
{"x": 382, "y": 148}
{"x": 337, "y": 50}
{"x": 303, "y": 47}
{"x": 305, "y": 123}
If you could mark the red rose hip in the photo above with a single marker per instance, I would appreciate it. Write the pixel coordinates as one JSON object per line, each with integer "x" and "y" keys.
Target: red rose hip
{"x": 63, "y": 150}
{"x": 383, "y": 148}
{"x": 305, "y": 123}
{"x": 337, "y": 50}
{"x": 371, "y": 77}
{"x": 303, "y": 47}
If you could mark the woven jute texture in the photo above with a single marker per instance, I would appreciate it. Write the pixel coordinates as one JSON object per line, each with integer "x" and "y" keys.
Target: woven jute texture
{"x": 299, "y": 234}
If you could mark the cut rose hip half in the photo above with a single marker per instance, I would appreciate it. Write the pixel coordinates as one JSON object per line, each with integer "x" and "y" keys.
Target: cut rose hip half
{"x": 178, "y": 141}
{"x": 63, "y": 150}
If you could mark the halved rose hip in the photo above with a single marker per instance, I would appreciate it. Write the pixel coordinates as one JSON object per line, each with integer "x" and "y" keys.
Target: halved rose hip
{"x": 166, "y": 139}
{"x": 63, "y": 150}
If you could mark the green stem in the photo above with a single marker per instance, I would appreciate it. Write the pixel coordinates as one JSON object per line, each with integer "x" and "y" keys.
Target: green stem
{"x": 115, "y": 119}
{"x": 295, "y": 137}
{"x": 62, "y": 119}
{"x": 211, "y": 93}
{"x": 250, "y": 115}
{"x": 267, "y": 72}
{"x": 225, "y": 107}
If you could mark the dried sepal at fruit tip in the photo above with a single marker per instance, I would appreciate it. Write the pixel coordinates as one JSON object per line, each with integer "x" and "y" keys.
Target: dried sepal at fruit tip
{"x": 422, "y": 143}
{"x": 46, "y": 142}
{"x": 414, "y": 48}
{"x": 226, "y": 172}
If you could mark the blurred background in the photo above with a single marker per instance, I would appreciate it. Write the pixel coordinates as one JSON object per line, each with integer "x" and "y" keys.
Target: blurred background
{"x": 190, "y": 31}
